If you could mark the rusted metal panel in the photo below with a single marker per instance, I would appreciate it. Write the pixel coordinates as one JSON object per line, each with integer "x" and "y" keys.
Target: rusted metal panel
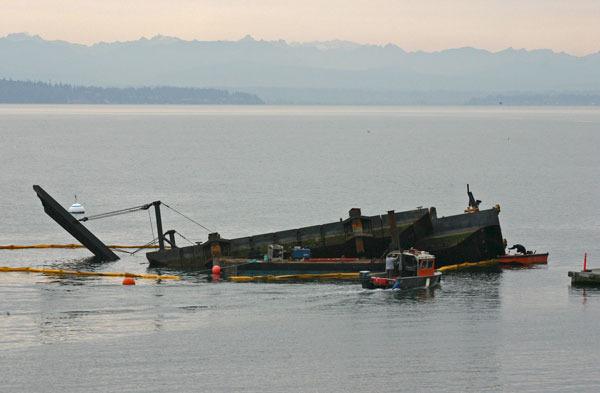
{"x": 74, "y": 227}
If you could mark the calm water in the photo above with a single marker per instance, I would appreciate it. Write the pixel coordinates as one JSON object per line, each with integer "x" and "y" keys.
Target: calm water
{"x": 249, "y": 170}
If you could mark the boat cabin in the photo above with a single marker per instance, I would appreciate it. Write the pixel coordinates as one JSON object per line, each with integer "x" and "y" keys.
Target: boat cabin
{"x": 275, "y": 253}
{"x": 414, "y": 263}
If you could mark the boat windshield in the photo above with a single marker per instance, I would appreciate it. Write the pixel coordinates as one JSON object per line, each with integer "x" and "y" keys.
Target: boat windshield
{"x": 409, "y": 265}
{"x": 426, "y": 264}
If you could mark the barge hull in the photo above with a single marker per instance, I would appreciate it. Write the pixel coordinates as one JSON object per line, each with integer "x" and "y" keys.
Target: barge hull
{"x": 292, "y": 267}
{"x": 473, "y": 236}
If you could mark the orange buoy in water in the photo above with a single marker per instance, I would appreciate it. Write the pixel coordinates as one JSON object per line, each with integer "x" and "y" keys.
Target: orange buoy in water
{"x": 216, "y": 269}
{"x": 128, "y": 281}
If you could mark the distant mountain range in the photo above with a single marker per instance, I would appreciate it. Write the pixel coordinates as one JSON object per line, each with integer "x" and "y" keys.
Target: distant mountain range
{"x": 26, "y": 92}
{"x": 310, "y": 73}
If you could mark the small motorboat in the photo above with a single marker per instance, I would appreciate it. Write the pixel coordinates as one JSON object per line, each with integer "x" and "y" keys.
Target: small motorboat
{"x": 76, "y": 208}
{"x": 527, "y": 259}
{"x": 413, "y": 269}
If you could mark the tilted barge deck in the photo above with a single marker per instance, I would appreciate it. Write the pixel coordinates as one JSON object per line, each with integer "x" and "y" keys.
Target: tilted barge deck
{"x": 472, "y": 236}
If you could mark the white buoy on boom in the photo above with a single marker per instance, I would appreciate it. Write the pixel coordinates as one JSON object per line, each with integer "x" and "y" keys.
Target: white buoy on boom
{"x": 76, "y": 208}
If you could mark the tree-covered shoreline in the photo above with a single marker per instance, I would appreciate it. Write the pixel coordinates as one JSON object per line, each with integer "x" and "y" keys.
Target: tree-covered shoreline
{"x": 34, "y": 92}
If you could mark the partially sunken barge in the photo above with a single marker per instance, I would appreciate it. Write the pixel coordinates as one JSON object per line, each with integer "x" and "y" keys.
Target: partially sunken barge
{"x": 353, "y": 244}
{"x": 357, "y": 243}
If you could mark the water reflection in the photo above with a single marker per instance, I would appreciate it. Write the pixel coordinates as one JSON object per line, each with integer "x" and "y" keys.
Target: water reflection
{"x": 585, "y": 293}
{"x": 88, "y": 263}
{"x": 476, "y": 299}
{"x": 78, "y": 308}
{"x": 158, "y": 319}
{"x": 418, "y": 295}
{"x": 57, "y": 327}
{"x": 65, "y": 280}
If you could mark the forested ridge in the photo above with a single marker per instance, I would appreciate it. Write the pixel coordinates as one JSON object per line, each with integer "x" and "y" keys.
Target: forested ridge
{"x": 30, "y": 92}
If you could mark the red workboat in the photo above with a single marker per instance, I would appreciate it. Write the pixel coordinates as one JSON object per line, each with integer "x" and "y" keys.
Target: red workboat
{"x": 413, "y": 269}
{"x": 511, "y": 260}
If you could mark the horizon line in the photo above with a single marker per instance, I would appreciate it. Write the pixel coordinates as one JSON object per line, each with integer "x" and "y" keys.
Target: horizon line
{"x": 250, "y": 38}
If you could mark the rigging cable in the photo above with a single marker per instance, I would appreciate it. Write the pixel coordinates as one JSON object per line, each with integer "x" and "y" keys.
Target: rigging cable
{"x": 116, "y": 212}
{"x": 189, "y": 241}
{"x": 151, "y": 225}
{"x": 124, "y": 251}
{"x": 146, "y": 245}
{"x": 183, "y": 215}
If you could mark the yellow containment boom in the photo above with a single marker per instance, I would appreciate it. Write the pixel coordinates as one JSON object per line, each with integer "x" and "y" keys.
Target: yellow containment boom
{"x": 466, "y": 265}
{"x": 61, "y": 272}
{"x": 30, "y": 246}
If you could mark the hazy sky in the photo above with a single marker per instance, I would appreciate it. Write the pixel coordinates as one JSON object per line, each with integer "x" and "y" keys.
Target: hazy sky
{"x": 571, "y": 26}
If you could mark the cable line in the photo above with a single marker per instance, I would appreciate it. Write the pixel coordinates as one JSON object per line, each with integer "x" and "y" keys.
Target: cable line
{"x": 188, "y": 218}
{"x": 116, "y": 212}
{"x": 185, "y": 238}
{"x": 145, "y": 245}
{"x": 151, "y": 225}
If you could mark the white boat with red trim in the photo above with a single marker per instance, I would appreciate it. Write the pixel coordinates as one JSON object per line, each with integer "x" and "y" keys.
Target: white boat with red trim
{"x": 413, "y": 269}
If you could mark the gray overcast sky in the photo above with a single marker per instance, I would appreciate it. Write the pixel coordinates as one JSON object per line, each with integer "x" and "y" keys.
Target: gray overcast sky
{"x": 570, "y": 26}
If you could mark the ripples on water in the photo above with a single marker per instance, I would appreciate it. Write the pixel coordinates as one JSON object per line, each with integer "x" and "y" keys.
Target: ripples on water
{"x": 245, "y": 171}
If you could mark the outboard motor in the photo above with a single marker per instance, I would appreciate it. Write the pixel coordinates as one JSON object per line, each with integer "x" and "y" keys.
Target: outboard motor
{"x": 365, "y": 279}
